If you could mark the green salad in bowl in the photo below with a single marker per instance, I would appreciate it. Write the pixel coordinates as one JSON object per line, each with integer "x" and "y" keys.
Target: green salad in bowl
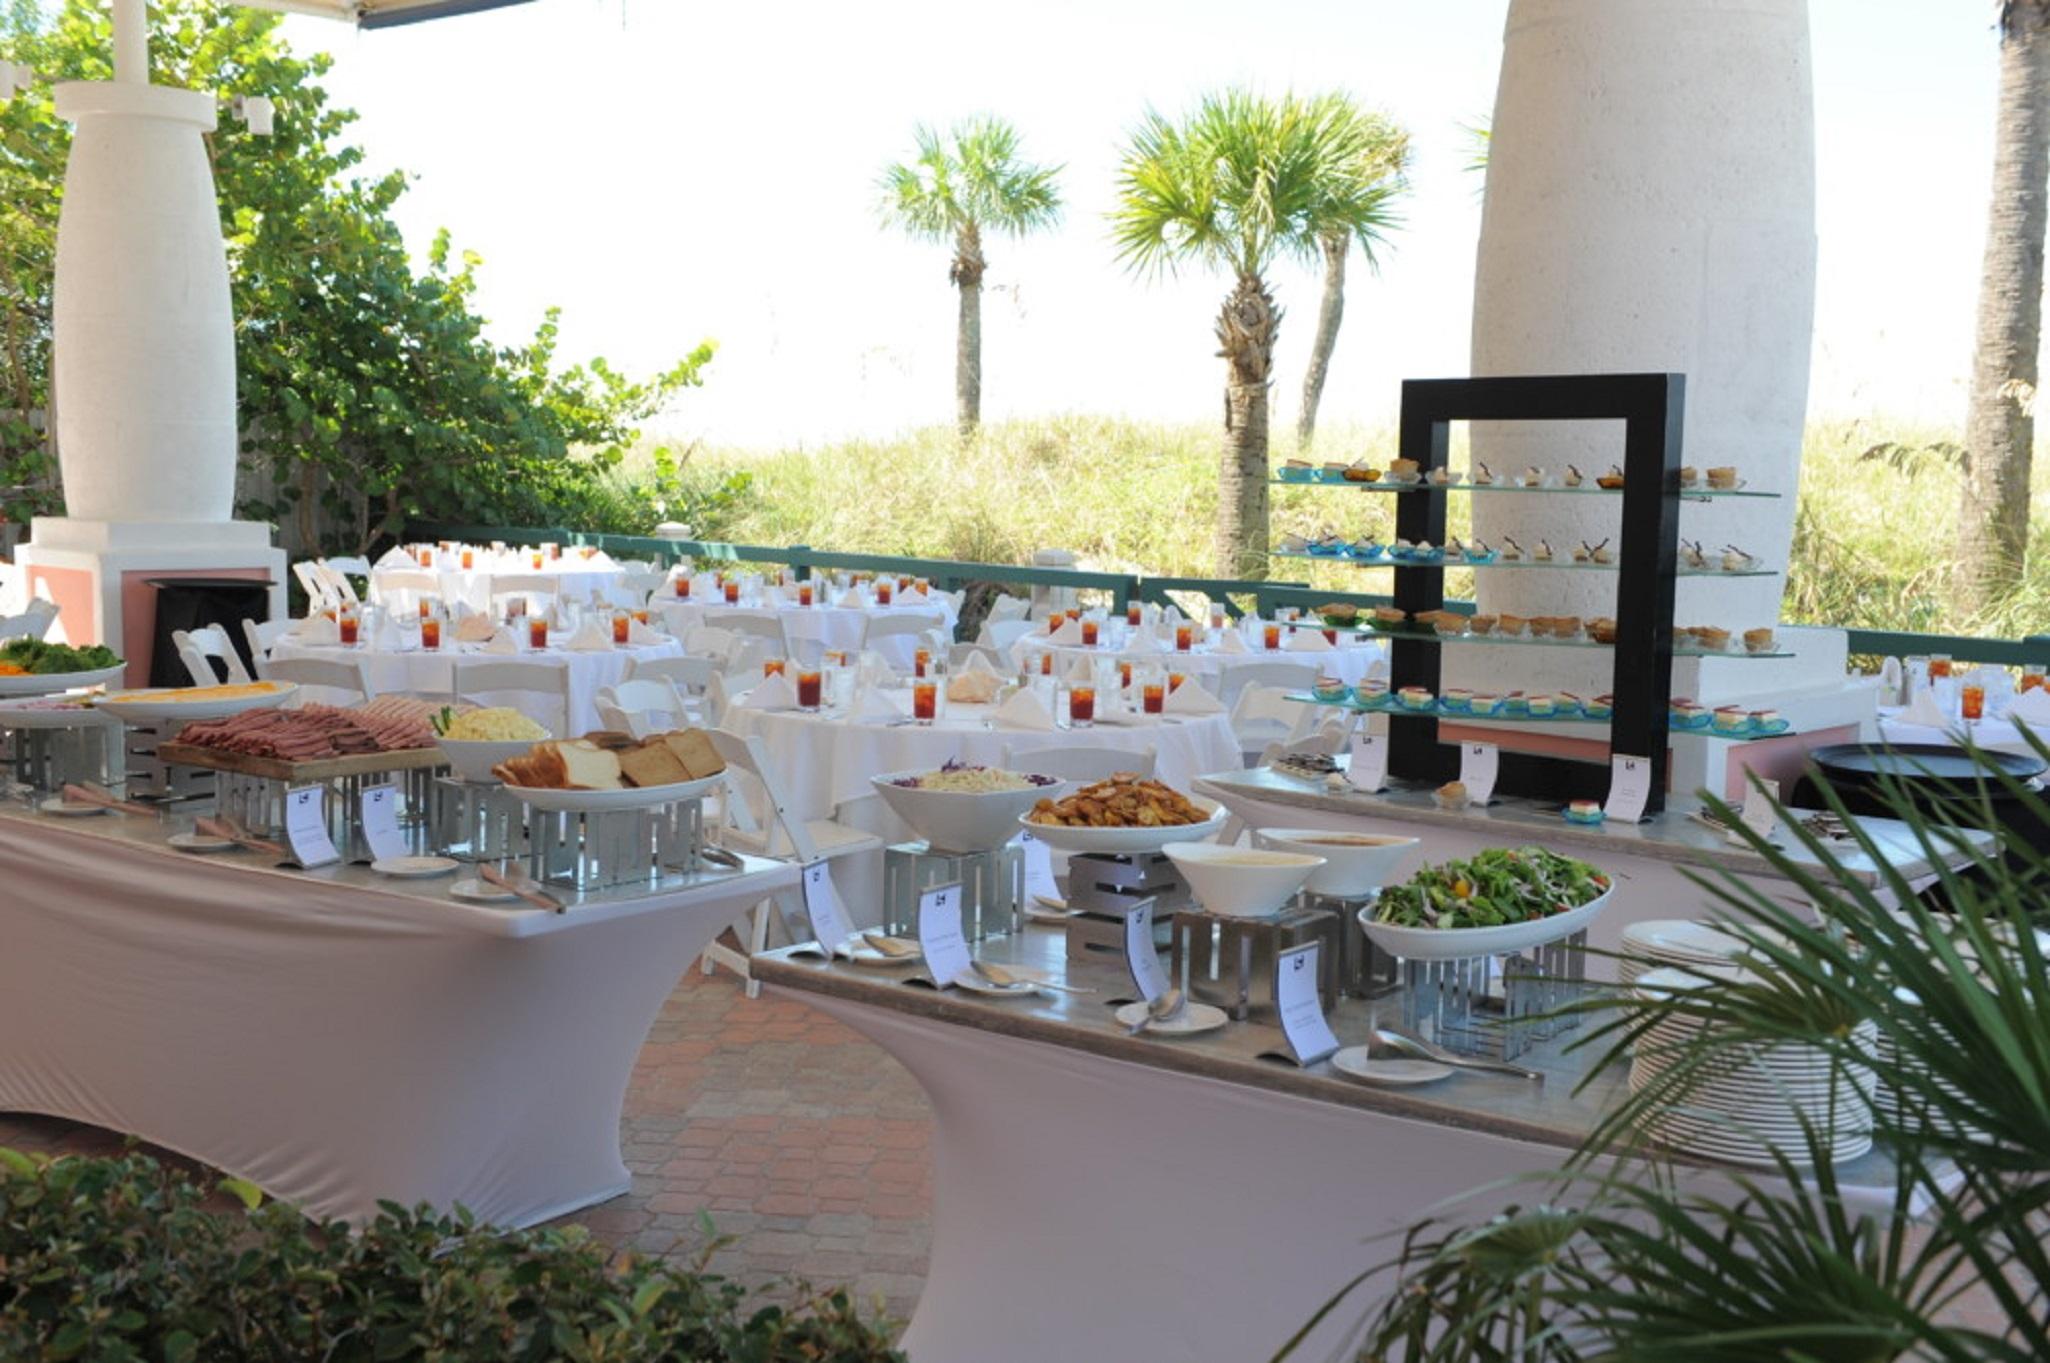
{"x": 1494, "y": 888}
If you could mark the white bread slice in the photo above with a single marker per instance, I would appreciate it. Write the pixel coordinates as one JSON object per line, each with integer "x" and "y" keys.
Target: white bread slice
{"x": 588, "y": 766}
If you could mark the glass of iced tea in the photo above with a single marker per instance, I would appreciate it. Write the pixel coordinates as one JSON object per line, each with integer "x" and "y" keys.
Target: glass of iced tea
{"x": 1217, "y": 619}
{"x": 772, "y": 667}
{"x": 1081, "y": 706}
{"x": 348, "y": 625}
{"x": 430, "y": 632}
{"x": 469, "y": 559}
{"x": 1971, "y": 699}
{"x": 804, "y": 593}
{"x": 925, "y": 701}
{"x": 425, "y": 556}
{"x": 537, "y": 632}
{"x": 535, "y": 560}
{"x": 1054, "y": 621}
{"x": 1135, "y": 615}
{"x": 640, "y": 616}
{"x": 809, "y": 686}
{"x": 2032, "y": 676}
{"x": 1270, "y": 635}
{"x": 1089, "y": 628}
{"x": 551, "y": 552}
{"x": 1184, "y": 637}
{"x": 885, "y": 591}
{"x": 1152, "y": 697}
{"x": 1939, "y": 666}
{"x": 732, "y": 591}
{"x": 622, "y": 626}
{"x": 1331, "y": 637}
{"x": 1174, "y": 682}
{"x": 682, "y": 584}
{"x": 921, "y": 659}
{"x": 1125, "y": 675}
{"x": 426, "y": 607}
{"x": 1046, "y": 664}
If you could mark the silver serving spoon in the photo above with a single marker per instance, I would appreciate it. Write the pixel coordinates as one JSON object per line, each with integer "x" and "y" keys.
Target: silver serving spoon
{"x": 1163, "y": 1009}
{"x": 1424, "y": 1050}
{"x": 1009, "y": 979}
{"x": 891, "y": 946}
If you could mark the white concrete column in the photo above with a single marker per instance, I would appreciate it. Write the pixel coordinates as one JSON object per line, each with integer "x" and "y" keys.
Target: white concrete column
{"x": 1650, "y": 206}
{"x": 131, "y": 41}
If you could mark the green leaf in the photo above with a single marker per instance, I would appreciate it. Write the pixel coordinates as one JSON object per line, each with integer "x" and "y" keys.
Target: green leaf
{"x": 249, "y": 1194}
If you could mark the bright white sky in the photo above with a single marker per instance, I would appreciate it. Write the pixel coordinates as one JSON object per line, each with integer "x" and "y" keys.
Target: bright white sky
{"x": 667, "y": 170}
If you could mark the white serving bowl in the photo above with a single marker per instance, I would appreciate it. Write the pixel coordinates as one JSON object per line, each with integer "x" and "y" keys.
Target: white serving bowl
{"x": 1241, "y": 882}
{"x": 473, "y": 758}
{"x": 1355, "y": 864}
{"x": 962, "y": 821}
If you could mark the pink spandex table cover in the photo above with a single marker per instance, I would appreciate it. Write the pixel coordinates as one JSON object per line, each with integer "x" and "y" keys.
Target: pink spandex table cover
{"x": 336, "y": 1043}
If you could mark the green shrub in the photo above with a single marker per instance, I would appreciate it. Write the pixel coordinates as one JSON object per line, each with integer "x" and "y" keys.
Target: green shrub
{"x": 109, "y": 1260}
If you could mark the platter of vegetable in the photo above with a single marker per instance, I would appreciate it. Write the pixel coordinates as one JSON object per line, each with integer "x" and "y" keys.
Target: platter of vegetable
{"x": 34, "y": 667}
{"x": 1499, "y": 901}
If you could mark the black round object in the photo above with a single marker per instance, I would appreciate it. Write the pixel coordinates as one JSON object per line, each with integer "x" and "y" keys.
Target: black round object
{"x": 187, "y": 603}
{"x": 1868, "y": 763}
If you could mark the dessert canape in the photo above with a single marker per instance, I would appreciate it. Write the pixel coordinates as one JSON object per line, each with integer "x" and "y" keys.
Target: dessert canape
{"x": 1445, "y": 477}
{"x": 1533, "y": 476}
{"x": 1485, "y": 704}
{"x": 1415, "y": 697}
{"x": 1451, "y": 795}
{"x": 1425, "y": 553}
{"x": 1360, "y": 473}
{"x": 1566, "y": 626}
{"x": 1712, "y": 638}
{"x": 1582, "y": 552}
{"x": 1403, "y": 470}
{"x": 1689, "y": 475}
{"x": 1388, "y": 617}
{"x": 1691, "y": 555}
{"x": 1731, "y": 719}
{"x": 1768, "y": 721}
{"x": 1574, "y": 477}
{"x": 1334, "y": 471}
{"x": 1373, "y": 691}
{"x": 1584, "y": 811}
{"x": 1723, "y": 478}
{"x": 1601, "y": 553}
{"x": 1685, "y": 714}
{"x": 1602, "y": 629}
{"x": 1544, "y": 551}
{"x": 1511, "y": 550}
{"x": 1458, "y": 699}
{"x": 1483, "y": 476}
{"x": 1480, "y": 551}
{"x": 1455, "y": 547}
{"x": 1481, "y": 624}
{"x": 1367, "y": 546}
{"x": 1611, "y": 480}
{"x": 1516, "y": 703}
{"x": 1601, "y": 707}
{"x": 1542, "y": 706}
{"x": 1449, "y": 623}
{"x": 1565, "y": 703}
{"x": 1298, "y": 470}
{"x": 1511, "y": 625}
{"x": 1327, "y": 544}
{"x": 1330, "y": 688}
{"x": 1735, "y": 560}
{"x": 1758, "y": 640}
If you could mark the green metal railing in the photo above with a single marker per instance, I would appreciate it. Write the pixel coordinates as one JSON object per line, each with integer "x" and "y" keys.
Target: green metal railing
{"x": 1119, "y": 588}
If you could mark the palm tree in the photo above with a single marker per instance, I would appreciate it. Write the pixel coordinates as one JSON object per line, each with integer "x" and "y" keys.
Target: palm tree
{"x": 1945, "y": 1009}
{"x": 1373, "y": 152}
{"x": 958, "y": 186}
{"x": 1242, "y": 180}
{"x": 2000, "y": 428}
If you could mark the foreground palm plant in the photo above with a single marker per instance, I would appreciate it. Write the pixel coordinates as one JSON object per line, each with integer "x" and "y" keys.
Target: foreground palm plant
{"x": 1626, "y": 1256}
{"x": 958, "y": 186}
{"x": 1244, "y": 180}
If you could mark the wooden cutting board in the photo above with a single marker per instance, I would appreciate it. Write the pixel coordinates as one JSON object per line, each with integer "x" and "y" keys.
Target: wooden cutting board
{"x": 321, "y": 769}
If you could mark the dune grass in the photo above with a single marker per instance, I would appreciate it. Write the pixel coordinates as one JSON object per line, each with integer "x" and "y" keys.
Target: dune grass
{"x": 1875, "y": 530}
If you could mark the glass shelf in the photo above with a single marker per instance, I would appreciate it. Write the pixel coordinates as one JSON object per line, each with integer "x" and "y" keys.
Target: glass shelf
{"x": 1467, "y": 717}
{"x": 1525, "y": 564}
{"x": 1531, "y": 641}
{"x": 1690, "y": 494}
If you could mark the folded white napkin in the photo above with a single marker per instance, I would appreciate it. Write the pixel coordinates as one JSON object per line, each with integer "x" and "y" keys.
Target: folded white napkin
{"x": 317, "y": 629}
{"x": 601, "y": 559}
{"x": 1889, "y": 681}
{"x": 2031, "y": 708}
{"x": 386, "y": 637}
{"x": 874, "y": 703}
{"x": 874, "y": 669}
{"x": 1191, "y": 699}
{"x": 771, "y": 693}
{"x": 1082, "y": 670}
{"x": 641, "y": 635}
{"x": 1023, "y": 711}
{"x": 396, "y": 557}
{"x": 1231, "y": 641}
{"x": 978, "y": 661}
{"x": 1925, "y": 711}
{"x": 592, "y": 636}
{"x": 500, "y": 641}
{"x": 1141, "y": 641}
{"x": 1171, "y": 616}
{"x": 1069, "y": 634}
{"x": 475, "y": 627}
{"x": 852, "y": 600}
{"x": 1306, "y": 641}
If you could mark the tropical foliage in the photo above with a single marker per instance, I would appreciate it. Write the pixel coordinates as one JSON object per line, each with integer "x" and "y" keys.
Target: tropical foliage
{"x": 367, "y": 387}
{"x": 960, "y": 185}
{"x": 124, "y": 1260}
{"x": 1241, "y": 181}
{"x": 1941, "y": 1254}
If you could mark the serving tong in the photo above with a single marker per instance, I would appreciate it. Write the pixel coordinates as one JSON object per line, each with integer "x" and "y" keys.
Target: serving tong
{"x": 78, "y": 793}
{"x": 522, "y": 886}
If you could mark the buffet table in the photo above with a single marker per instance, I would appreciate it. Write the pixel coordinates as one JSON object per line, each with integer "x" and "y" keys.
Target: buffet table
{"x": 419, "y": 672}
{"x": 334, "y": 1036}
{"x": 1649, "y": 859}
{"x": 1100, "y": 1196}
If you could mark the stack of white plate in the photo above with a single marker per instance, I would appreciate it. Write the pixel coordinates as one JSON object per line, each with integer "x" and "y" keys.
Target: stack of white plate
{"x": 1678, "y": 941}
{"x": 1747, "y": 1108}
{"x": 1887, "y": 1100}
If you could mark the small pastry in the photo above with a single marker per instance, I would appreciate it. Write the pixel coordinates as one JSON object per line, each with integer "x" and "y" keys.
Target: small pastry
{"x": 1367, "y": 546}
{"x": 1483, "y": 476}
{"x": 1574, "y": 477}
{"x": 1602, "y": 629}
{"x": 1444, "y": 477}
{"x": 1566, "y": 703}
{"x": 1758, "y": 641}
{"x": 1565, "y": 626}
{"x": 1329, "y": 688}
{"x": 1516, "y": 703}
{"x": 1544, "y": 551}
{"x": 1479, "y": 552}
{"x": 1484, "y": 704}
{"x": 1360, "y": 473}
{"x": 1458, "y": 699}
{"x": 1584, "y": 811}
{"x": 1691, "y": 555}
{"x": 1768, "y": 721}
{"x": 1712, "y": 639}
{"x": 1415, "y": 697}
{"x": 1601, "y": 553}
{"x": 1451, "y": 795}
{"x": 1581, "y": 552}
{"x": 1334, "y": 469}
{"x": 1735, "y": 560}
{"x": 1723, "y": 479}
{"x": 1511, "y": 625}
{"x": 1455, "y": 547}
{"x": 1481, "y": 624}
{"x": 1731, "y": 719}
{"x": 1685, "y": 714}
{"x": 1301, "y": 468}
{"x": 1388, "y": 617}
{"x": 1403, "y": 470}
{"x": 1541, "y": 706}
{"x": 1449, "y": 623}
{"x": 1533, "y": 476}
{"x": 1511, "y": 550}
{"x": 1601, "y": 707}
{"x": 1612, "y": 480}
{"x": 1373, "y": 691}
{"x": 1689, "y": 475}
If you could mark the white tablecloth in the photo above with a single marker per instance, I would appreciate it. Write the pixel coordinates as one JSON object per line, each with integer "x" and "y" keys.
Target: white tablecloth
{"x": 1997, "y": 734}
{"x": 333, "y": 1040}
{"x": 823, "y": 762}
{"x": 433, "y": 674}
{"x": 838, "y": 628}
{"x": 575, "y": 578}
{"x": 1348, "y": 662}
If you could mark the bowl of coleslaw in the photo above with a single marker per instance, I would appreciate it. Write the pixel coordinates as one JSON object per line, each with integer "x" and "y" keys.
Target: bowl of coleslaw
{"x": 962, "y": 807}
{"x": 475, "y": 741}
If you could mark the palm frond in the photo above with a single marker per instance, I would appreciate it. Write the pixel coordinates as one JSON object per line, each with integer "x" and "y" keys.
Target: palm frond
{"x": 971, "y": 176}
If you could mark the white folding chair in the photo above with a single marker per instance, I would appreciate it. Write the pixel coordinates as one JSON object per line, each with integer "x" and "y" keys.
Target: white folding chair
{"x": 339, "y": 586}
{"x": 999, "y": 635}
{"x": 346, "y": 676}
{"x": 1263, "y": 715}
{"x": 692, "y": 678}
{"x": 263, "y": 635}
{"x": 639, "y": 585}
{"x": 1235, "y": 677}
{"x": 400, "y": 589}
{"x": 32, "y": 623}
{"x": 354, "y": 567}
{"x": 757, "y": 820}
{"x": 537, "y": 686}
{"x": 199, "y": 647}
{"x": 897, "y": 624}
{"x": 320, "y": 596}
{"x": 538, "y": 590}
{"x": 649, "y": 705}
{"x": 764, "y": 625}
{"x": 1079, "y": 764}
{"x": 1006, "y": 608}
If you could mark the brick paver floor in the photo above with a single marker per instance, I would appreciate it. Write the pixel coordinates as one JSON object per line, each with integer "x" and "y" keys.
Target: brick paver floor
{"x": 803, "y": 1142}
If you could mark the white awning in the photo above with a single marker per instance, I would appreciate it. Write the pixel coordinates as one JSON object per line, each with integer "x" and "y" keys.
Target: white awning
{"x": 380, "y": 13}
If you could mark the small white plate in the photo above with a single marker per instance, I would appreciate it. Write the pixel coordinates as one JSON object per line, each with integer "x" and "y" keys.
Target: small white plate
{"x": 1195, "y": 1018}
{"x": 869, "y": 956}
{"x": 198, "y": 842}
{"x": 1355, "y": 1061}
{"x": 56, "y": 805}
{"x": 412, "y": 868}
{"x": 976, "y": 984}
{"x": 1044, "y": 910}
{"x": 478, "y": 892}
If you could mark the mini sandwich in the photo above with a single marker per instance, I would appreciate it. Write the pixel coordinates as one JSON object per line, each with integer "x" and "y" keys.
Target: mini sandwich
{"x": 1415, "y": 697}
{"x": 1584, "y": 811}
{"x": 1730, "y": 719}
{"x": 1451, "y": 795}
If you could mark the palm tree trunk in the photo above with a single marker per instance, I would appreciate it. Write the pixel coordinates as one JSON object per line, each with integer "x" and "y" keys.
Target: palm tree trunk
{"x": 1246, "y": 330}
{"x": 1993, "y": 524}
{"x": 1330, "y": 312}
{"x": 967, "y": 277}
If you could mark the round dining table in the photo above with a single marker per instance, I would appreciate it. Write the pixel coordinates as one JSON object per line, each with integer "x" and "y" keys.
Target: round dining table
{"x": 825, "y": 627}
{"x": 416, "y": 671}
{"x": 1209, "y": 661}
{"x": 572, "y": 577}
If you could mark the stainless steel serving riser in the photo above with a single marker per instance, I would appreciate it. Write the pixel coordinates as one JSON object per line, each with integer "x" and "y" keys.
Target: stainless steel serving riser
{"x": 1486, "y": 1005}
{"x": 992, "y": 887}
{"x": 259, "y": 802}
